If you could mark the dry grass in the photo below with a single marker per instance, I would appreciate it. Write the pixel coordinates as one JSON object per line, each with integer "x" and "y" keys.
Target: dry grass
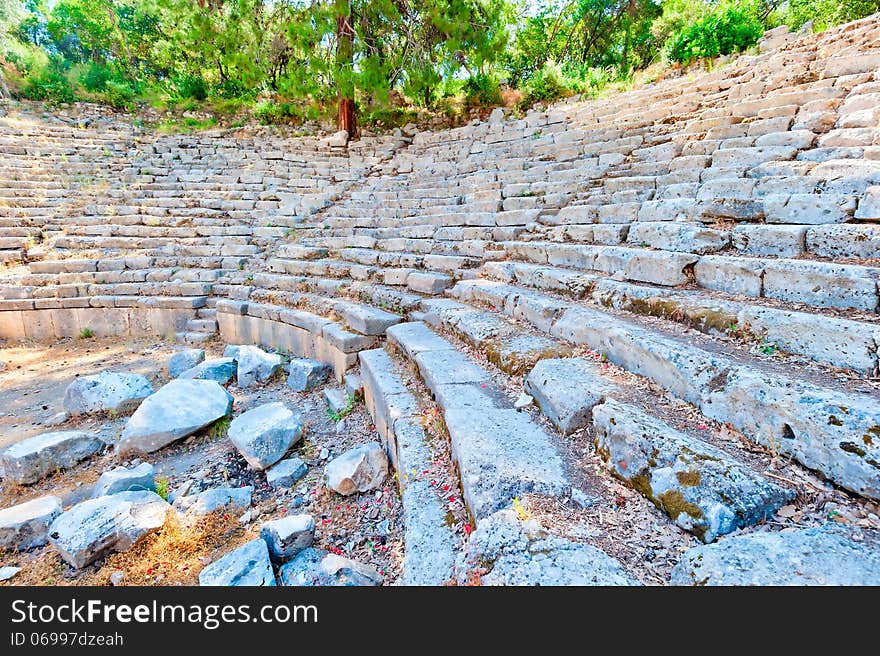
{"x": 173, "y": 555}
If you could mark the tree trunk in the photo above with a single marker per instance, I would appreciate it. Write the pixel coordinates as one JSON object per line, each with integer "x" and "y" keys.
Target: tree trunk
{"x": 345, "y": 64}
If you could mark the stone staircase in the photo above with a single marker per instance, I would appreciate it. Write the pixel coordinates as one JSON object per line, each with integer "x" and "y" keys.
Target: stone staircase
{"x": 707, "y": 246}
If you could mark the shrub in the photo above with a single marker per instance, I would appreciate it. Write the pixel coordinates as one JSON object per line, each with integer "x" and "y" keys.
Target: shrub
{"x": 190, "y": 86}
{"x": 94, "y": 77}
{"x": 49, "y": 83}
{"x": 547, "y": 84}
{"x": 482, "y": 89}
{"x": 119, "y": 94}
{"x": 730, "y": 29}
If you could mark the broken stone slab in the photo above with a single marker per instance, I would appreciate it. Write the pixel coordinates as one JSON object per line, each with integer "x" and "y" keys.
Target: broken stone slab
{"x": 36, "y": 457}
{"x": 249, "y": 565}
{"x": 220, "y": 370}
{"x": 96, "y": 527}
{"x": 365, "y": 319}
{"x": 226, "y": 498}
{"x": 305, "y": 374}
{"x": 26, "y": 525}
{"x": 517, "y": 354}
{"x": 360, "y": 469}
{"x": 231, "y": 351}
{"x": 180, "y": 408}
{"x": 337, "y": 400}
{"x": 827, "y": 555}
{"x": 287, "y": 536}
{"x": 183, "y": 360}
{"x": 506, "y": 551}
{"x": 286, "y": 473}
{"x": 567, "y": 389}
{"x": 255, "y": 365}
{"x": 354, "y": 385}
{"x": 702, "y": 489}
{"x": 501, "y": 454}
{"x": 121, "y": 479}
{"x": 316, "y": 567}
{"x": 107, "y": 391}
{"x": 7, "y": 572}
{"x": 263, "y": 435}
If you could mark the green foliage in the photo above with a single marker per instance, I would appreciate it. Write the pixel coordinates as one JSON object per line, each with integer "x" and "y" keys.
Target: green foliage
{"x": 823, "y": 13}
{"x": 546, "y": 84}
{"x": 86, "y": 333}
{"x": 49, "y": 82}
{"x": 163, "y": 486}
{"x": 120, "y": 95}
{"x": 350, "y": 404}
{"x": 727, "y": 29}
{"x": 483, "y": 89}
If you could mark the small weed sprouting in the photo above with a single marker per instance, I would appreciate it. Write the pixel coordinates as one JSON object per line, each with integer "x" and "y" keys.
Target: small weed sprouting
{"x": 768, "y": 348}
{"x": 351, "y": 402}
{"x": 86, "y": 333}
{"x": 220, "y": 428}
{"x": 520, "y": 510}
{"x": 162, "y": 486}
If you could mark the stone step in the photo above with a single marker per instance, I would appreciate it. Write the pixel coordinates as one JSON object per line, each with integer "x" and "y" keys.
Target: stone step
{"x": 500, "y": 453}
{"x": 702, "y": 488}
{"x": 201, "y": 325}
{"x": 430, "y": 547}
{"x": 823, "y": 426}
{"x": 819, "y": 336}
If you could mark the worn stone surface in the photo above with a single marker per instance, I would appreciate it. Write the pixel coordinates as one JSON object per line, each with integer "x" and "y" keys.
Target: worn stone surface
{"x": 36, "y": 457}
{"x": 179, "y": 408}
{"x": 249, "y": 565}
{"x": 316, "y": 567}
{"x": 703, "y": 489}
{"x": 255, "y": 365}
{"x": 827, "y": 555}
{"x": 107, "y": 391}
{"x": 220, "y": 370}
{"x": 501, "y": 454}
{"x": 287, "y": 536}
{"x": 26, "y": 525}
{"x": 506, "y": 551}
{"x": 263, "y": 435}
{"x": 183, "y": 360}
{"x": 204, "y": 503}
{"x": 567, "y": 389}
{"x": 120, "y": 479}
{"x": 305, "y": 374}
{"x": 360, "y": 469}
{"x": 96, "y": 527}
{"x": 286, "y": 473}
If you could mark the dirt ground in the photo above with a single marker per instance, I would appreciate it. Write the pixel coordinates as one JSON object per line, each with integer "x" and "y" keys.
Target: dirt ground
{"x": 366, "y": 527}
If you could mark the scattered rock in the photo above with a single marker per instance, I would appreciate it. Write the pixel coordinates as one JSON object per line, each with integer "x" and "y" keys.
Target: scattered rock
{"x": 523, "y": 401}
{"x": 178, "y": 409}
{"x": 117, "y": 577}
{"x": 316, "y": 567}
{"x": 358, "y": 470}
{"x": 7, "y": 572}
{"x": 36, "y": 457}
{"x": 263, "y": 435}
{"x": 497, "y": 115}
{"x": 255, "y": 365}
{"x": 506, "y": 551}
{"x": 336, "y": 399}
{"x": 826, "y": 555}
{"x": 204, "y": 503}
{"x": 57, "y": 419}
{"x": 354, "y": 385}
{"x": 286, "y": 472}
{"x": 183, "y": 360}
{"x": 96, "y": 527}
{"x": 305, "y": 374}
{"x": 107, "y": 391}
{"x": 249, "y": 565}
{"x": 220, "y": 370}
{"x": 26, "y": 525}
{"x": 121, "y": 479}
{"x": 231, "y": 351}
{"x": 287, "y": 536}
{"x": 338, "y": 139}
